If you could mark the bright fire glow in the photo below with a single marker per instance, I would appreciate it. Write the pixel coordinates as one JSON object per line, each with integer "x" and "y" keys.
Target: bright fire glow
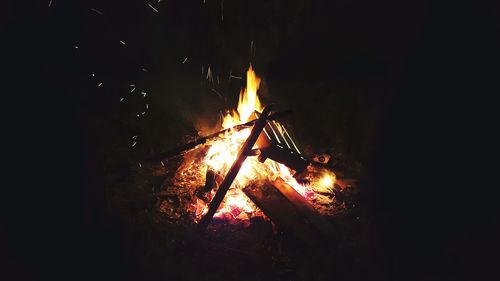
{"x": 223, "y": 151}
{"x": 327, "y": 181}
{"x": 247, "y": 103}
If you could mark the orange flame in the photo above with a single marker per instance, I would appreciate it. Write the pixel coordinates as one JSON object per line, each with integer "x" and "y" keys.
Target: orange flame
{"x": 248, "y": 102}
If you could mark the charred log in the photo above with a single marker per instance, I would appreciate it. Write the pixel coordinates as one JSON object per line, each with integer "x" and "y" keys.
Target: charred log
{"x": 305, "y": 209}
{"x": 281, "y": 211}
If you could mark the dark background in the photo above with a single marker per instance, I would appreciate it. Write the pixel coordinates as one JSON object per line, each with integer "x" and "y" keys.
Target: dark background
{"x": 404, "y": 91}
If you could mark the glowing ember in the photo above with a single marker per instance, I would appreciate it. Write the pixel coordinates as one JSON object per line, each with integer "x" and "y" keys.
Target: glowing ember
{"x": 327, "y": 181}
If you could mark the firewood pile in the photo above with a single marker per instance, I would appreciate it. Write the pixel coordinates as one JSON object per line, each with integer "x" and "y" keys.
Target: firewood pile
{"x": 253, "y": 168}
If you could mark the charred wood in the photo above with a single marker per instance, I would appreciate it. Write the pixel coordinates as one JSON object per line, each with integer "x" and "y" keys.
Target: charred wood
{"x": 305, "y": 209}
{"x": 281, "y": 212}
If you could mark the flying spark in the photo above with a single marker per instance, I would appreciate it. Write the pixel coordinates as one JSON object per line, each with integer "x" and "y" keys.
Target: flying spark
{"x": 153, "y": 8}
{"x": 209, "y": 75}
{"x": 97, "y": 11}
{"x": 222, "y": 10}
{"x": 232, "y": 76}
{"x": 216, "y": 92}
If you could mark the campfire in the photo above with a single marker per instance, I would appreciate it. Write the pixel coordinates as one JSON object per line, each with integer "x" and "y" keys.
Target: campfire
{"x": 238, "y": 172}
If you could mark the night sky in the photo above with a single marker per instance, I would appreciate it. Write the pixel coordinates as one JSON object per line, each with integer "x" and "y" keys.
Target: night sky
{"x": 403, "y": 92}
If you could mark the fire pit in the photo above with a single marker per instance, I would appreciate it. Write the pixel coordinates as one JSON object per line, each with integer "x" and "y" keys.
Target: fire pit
{"x": 253, "y": 168}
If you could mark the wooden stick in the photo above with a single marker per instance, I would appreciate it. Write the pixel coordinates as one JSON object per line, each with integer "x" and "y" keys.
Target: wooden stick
{"x": 235, "y": 168}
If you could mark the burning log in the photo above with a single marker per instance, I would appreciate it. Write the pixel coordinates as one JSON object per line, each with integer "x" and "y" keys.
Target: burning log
{"x": 304, "y": 208}
{"x": 281, "y": 211}
{"x": 290, "y": 211}
{"x": 203, "y": 140}
{"x": 277, "y": 144}
{"x": 210, "y": 180}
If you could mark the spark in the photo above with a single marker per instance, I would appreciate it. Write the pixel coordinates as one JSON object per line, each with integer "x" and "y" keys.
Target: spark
{"x": 140, "y": 166}
{"x": 209, "y": 75}
{"x": 97, "y": 11}
{"x": 216, "y": 92}
{"x": 147, "y": 106}
{"x": 252, "y": 49}
{"x": 222, "y": 10}
{"x": 76, "y": 47}
{"x": 50, "y": 3}
{"x": 122, "y": 99}
{"x": 232, "y": 76}
{"x": 134, "y": 137}
{"x": 144, "y": 69}
{"x": 153, "y": 8}
{"x": 132, "y": 85}
{"x": 143, "y": 94}
{"x": 122, "y": 42}
{"x": 93, "y": 75}
{"x": 134, "y": 144}
{"x": 162, "y": 163}
{"x": 133, "y": 89}
{"x": 99, "y": 84}
{"x": 144, "y": 112}
{"x": 184, "y": 61}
